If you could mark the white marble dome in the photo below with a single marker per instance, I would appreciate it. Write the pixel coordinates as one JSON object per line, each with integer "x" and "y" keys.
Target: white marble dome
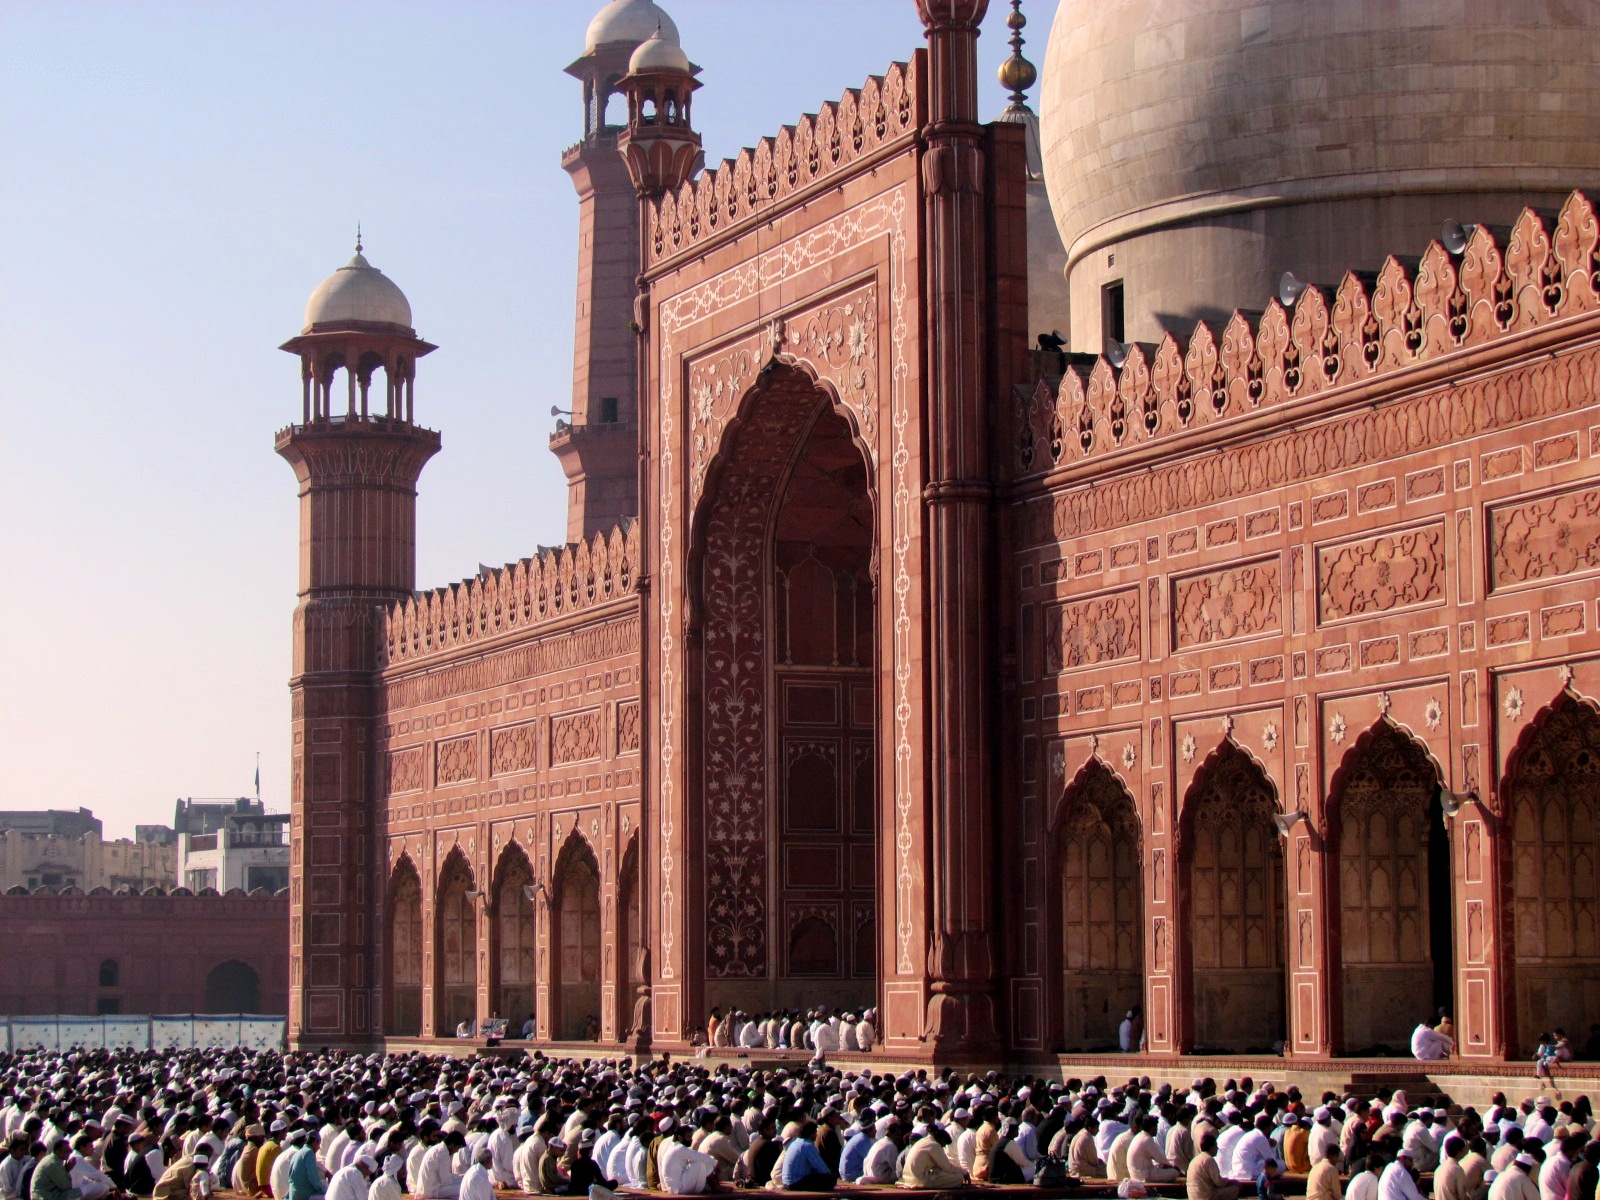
{"x": 1161, "y": 110}
{"x": 631, "y": 21}
{"x": 659, "y": 53}
{"x": 358, "y": 291}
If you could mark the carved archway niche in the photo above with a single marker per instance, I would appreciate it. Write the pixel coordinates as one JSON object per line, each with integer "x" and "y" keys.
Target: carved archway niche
{"x": 456, "y": 959}
{"x": 1391, "y": 886}
{"x": 784, "y": 572}
{"x": 516, "y": 937}
{"x": 404, "y": 1015}
{"x": 1231, "y": 860}
{"x": 1100, "y": 908}
{"x": 1551, "y": 801}
{"x": 576, "y": 930}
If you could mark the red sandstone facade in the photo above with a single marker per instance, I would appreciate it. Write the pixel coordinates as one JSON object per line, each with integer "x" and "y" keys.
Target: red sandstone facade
{"x": 1248, "y": 682}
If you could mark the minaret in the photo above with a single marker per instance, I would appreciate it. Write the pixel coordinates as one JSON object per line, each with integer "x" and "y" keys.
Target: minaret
{"x": 598, "y": 441}
{"x": 357, "y": 469}
{"x": 660, "y": 145}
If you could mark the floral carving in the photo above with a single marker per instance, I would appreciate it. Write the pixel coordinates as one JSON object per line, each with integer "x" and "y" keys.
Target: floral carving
{"x": 1233, "y": 602}
{"x": 575, "y": 737}
{"x": 1189, "y": 747}
{"x": 628, "y": 727}
{"x": 1380, "y": 574}
{"x": 1087, "y": 633}
{"x": 456, "y": 760}
{"x": 514, "y": 748}
{"x": 1546, "y": 538}
{"x": 407, "y": 770}
{"x": 1336, "y": 729}
{"x": 1514, "y": 704}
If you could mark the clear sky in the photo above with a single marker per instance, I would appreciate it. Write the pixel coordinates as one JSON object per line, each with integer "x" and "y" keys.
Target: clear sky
{"x": 175, "y": 179}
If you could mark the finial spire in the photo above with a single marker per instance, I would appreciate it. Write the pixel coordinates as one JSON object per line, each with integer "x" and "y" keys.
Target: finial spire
{"x": 358, "y": 237}
{"x": 1017, "y": 74}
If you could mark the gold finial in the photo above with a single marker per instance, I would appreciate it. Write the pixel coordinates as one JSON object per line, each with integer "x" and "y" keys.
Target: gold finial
{"x": 1017, "y": 74}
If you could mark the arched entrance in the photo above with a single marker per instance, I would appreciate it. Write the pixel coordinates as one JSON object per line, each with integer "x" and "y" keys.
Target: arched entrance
{"x": 516, "y": 940}
{"x": 233, "y": 987}
{"x": 1100, "y": 909}
{"x": 405, "y": 951}
{"x": 785, "y": 575}
{"x": 577, "y": 933}
{"x": 457, "y": 942}
{"x": 1552, "y": 804}
{"x": 1392, "y": 886}
{"x": 1232, "y": 863}
{"x": 630, "y": 938}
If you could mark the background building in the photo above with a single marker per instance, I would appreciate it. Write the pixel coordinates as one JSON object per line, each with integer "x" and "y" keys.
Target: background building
{"x": 1247, "y": 673}
{"x": 55, "y": 849}
{"x": 228, "y": 844}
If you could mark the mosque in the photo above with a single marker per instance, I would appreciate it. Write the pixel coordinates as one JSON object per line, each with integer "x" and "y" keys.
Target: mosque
{"x": 1139, "y": 555}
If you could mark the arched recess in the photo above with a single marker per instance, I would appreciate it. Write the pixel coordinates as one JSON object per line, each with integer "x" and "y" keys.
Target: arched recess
{"x": 516, "y": 934}
{"x": 1099, "y": 910}
{"x": 1231, "y": 864}
{"x": 630, "y": 935}
{"x": 456, "y": 946}
{"x": 1390, "y": 887}
{"x": 233, "y": 987}
{"x": 1552, "y": 846}
{"x": 576, "y": 930}
{"x": 784, "y": 804}
{"x": 404, "y": 1015}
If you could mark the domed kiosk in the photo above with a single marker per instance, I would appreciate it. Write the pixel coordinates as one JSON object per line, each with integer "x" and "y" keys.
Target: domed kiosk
{"x": 1195, "y": 153}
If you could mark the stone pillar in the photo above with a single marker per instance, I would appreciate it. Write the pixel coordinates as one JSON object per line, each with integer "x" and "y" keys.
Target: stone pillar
{"x": 958, "y": 496}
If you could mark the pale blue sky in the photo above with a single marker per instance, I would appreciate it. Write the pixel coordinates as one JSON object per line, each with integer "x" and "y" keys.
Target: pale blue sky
{"x": 175, "y": 179}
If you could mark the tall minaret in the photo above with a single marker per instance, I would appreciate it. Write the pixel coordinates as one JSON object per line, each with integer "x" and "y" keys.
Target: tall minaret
{"x": 598, "y": 442}
{"x": 357, "y": 470}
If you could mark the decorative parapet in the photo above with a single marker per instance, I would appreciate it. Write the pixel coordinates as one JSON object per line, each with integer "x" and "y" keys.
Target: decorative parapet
{"x": 555, "y": 583}
{"x": 888, "y": 108}
{"x": 1369, "y": 326}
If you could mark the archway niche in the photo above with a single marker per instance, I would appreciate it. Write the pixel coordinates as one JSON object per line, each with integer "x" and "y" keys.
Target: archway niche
{"x": 457, "y": 956}
{"x": 577, "y": 934}
{"x": 1100, "y": 909}
{"x": 233, "y": 987}
{"x": 516, "y": 940}
{"x": 1552, "y": 805}
{"x": 783, "y": 561}
{"x": 1232, "y": 863}
{"x": 1392, "y": 864}
{"x": 630, "y": 938}
{"x": 405, "y": 951}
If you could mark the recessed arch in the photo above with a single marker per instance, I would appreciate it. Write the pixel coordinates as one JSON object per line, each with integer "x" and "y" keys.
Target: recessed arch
{"x": 515, "y": 948}
{"x": 1098, "y": 910}
{"x": 456, "y": 945}
{"x": 1389, "y": 888}
{"x": 632, "y": 970}
{"x": 404, "y": 957}
{"x": 1231, "y": 871}
{"x": 1550, "y": 800}
{"x": 233, "y": 987}
{"x": 576, "y": 926}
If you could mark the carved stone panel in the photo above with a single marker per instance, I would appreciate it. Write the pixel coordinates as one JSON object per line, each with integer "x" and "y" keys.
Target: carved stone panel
{"x": 1093, "y": 631}
{"x": 407, "y": 770}
{"x": 1234, "y": 602}
{"x": 514, "y": 748}
{"x": 456, "y": 760}
{"x": 575, "y": 737}
{"x": 1545, "y": 538}
{"x": 1372, "y": 575}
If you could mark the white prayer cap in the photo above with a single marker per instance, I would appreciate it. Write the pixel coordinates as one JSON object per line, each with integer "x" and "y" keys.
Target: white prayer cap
{"x": 1526, "y": 1160}
{"x": 1323, "y": 1113}
{"x": 367, "y": 1161}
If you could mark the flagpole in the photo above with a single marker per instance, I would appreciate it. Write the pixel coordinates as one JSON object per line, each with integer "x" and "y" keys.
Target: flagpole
{"x": 258, "y": 777}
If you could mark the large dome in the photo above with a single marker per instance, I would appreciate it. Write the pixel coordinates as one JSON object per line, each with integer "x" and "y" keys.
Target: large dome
{"x": 630, "y": 21}
{"x": 1156, "y": 111}
{"x": 358, "y": 291}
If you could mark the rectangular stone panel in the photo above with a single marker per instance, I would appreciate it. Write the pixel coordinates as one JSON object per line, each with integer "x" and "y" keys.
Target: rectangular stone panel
{"x": 1093, "y": 631}
{"x": 456, "y": 760}
{"x": 1238, "y": 601}
{"x": 1547, "y": 538}
{"x": 514, "y": 748}
{"x": 407, "y": 770}
{"x": 811, "y": 867}
{"x": 575, "y": 737}
{"x": 1368, "y": 576}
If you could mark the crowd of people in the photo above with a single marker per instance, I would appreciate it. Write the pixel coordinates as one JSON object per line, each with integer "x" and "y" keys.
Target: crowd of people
{"x": 818, "y": 1030}
{"x": 109, "y": 1124}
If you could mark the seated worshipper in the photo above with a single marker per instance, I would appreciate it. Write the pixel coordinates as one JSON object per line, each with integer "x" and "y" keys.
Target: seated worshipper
{"x": 15, "y": 1162}
{"x": 529, "y": 1027}
{"x": 883, "y": 1159}
{"x": 553, "y": 1180}
{"x": 1323, "y": 1181}
{"x": 1559, "y": 1157}
{"x": 685, "y": 1171}
{"x": 1251, "y": 1152}
{"x": 436, "y": 1175}
{"x": 279, "y": 1179}
{"x": 245, "y": 1179}
{"x": 1516, "y": 1181}
{"x": 1296, "y": 1146}
{"x": 853, "y": 1161}
{"x": 1363, "y": 1184}
{"x": 386, "y": 1183}
{"x": 804, "y": 1169}
{"x": 1429, "y": 1045}
{"x": 585, "y": 1172}
{"x": 92, "y": 1183}
{"x": 1267, "y": 1181}
{"x": 1585, "y": 1174}
{"x": 928, "y": 1166}
{"x": 525, "y": 1162}
{"x": 475, "y": 1184}
{"x": 1399, "y": 1181}
{"x": 52, "y": 1178}
{"x": 466, "y": 1028}
{"x": 1007, "y": 1163}
{"x": 306, "y": 1180}
{"x": 720, "y": 1144}
{"x": 189, "y": 1178}
{"x": 1450, "y": 1179}
{"x": 1146, "y": 1163}
{"x": 1083, "y": 1159}
{"x": 1205, "y": 1180}
{"x": 1130, "y": 1034}
{"x": 351, "y": 1182}
{"x": 866, "y": 1030}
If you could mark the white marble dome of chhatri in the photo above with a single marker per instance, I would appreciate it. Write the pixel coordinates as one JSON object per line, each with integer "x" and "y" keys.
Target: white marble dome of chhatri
{"x": 629, "y": 21}
{"x": 358, "y": 291}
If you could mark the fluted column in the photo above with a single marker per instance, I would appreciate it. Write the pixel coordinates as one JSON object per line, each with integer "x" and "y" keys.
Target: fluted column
{"x": 961, "y": 1007}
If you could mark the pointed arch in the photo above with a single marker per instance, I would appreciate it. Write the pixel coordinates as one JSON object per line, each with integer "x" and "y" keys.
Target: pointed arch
{"x": 514, "y": 952}
{"x": 403, "y": 1012}
{"x": 1230, "y": 863}
{"x": 632, "y": 971}
{"x": 1098, "y": 946}
{"x": 575, "y": 929}
{"x": 1550, "y": 835}
{"x": 1389, "y": 886}
{"x": 455, "y": 933}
